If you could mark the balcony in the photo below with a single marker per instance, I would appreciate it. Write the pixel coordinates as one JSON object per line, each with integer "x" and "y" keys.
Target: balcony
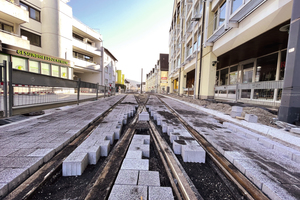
{"x": 79, "y": 62}
{"x": 13, "y": 39}
{"x": 13, "y": 13}
{"x": 218, "y": 33}
{"x": 78, "y": 44}
{"x": 84, "y": 30}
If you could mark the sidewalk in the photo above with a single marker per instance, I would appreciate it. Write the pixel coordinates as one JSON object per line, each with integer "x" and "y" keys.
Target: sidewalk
{"x": 27, "y": 144}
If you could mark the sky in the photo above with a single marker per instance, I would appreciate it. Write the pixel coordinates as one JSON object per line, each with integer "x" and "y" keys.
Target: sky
{"x": 134, "y": 31}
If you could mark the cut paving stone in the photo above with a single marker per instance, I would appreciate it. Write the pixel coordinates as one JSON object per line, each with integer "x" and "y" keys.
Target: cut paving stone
{"x": 144, "y": 116}
{"x": 163, "y": 193}
{"x": 233, "y": 155}
{"x": 144, "y": 138}
{"x": 193, "y": 153}
{"x": 127, "y": 177}
{"x": 47, "y": 154}
{"x": 257, "y": 177}
{"x": 75, "y": 164}
{"x": 251, "y": 118}
{"x": 128, "y": 192}
{"x": 104, "y": 147}
{"x": 145, "y": 148}
{"x": 274, "y": 191}
{"x": 177, "y": 146}
{"x": 244, "y": 165}
{"x": 134, "y": 154}
{"x": 149, "y": 178}
{"x": 135, "y": 164}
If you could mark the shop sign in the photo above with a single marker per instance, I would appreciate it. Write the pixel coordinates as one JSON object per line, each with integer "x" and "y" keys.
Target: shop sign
{"x": 35, "y": 55}
{"x": 164, "y": 78}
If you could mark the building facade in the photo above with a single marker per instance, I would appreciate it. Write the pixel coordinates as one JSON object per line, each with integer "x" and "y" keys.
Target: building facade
{"x": 157, "y": 78}
{"x": 242, "y": 56}
{"x": 47, "y": 29}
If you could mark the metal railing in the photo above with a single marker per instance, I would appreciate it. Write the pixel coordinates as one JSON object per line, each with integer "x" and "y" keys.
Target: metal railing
{"x": 22, "y": 92}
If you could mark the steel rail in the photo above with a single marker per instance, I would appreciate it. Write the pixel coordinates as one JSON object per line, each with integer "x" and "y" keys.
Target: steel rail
{"x": 26, "y": 189}
{"x": 247, "y": 188}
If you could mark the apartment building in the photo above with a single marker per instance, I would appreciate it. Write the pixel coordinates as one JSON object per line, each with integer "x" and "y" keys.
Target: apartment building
{"x": 243, "y": 50}
{"x": 44, "y": 37}
{"x": 157, "y": 78}
{"x": 184, "y": 46}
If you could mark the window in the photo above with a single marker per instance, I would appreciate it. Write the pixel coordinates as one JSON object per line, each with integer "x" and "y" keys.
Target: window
{"x": 55, "y": 70}
{"x": 82, "y": 56}
{"x": 224, "y": 77}
{"x": 33, "y": 66}
{"x": 247, "y": 73}
{"x": 33, "y": 38}
{"x": 19, "y": 63}
{"x": 45, "y": 68}
{"x": 33, "y": 13}
{"x": 6, "y": 27}
{"x": 233, "y": 76}
{"x": 198, "y": 8}
{"x": 77, "y": 37}
{"x": 282, "y": 64}
{"x": 235, "y": 4}
{"x": 220, "y": 16}
{"x": 63, "y": 72}
{"x": 266, "y": 68}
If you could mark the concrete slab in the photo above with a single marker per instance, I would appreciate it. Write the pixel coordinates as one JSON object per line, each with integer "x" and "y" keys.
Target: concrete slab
{"x": 174, "y": 136}
{"x": 144, "y": 116}
{"x": 75, "y": 164}
{"x": 177, "y": 146}
{"x": 104, "y": 147}
{"x": 234, "y": 155}
{"x": 244, "y": 165}
{"x": 145, "y": 138}
{"x": 193, "y": 153}
{"x": 128, "y": 192}
{"x": 149, "y": 178}
{"x": 163, "y": 193}
{"x": 134, "y": 154}
{"x": 94, "y": 153}
{"x": 135, "y": 164}
{"x": 127, "y": 177}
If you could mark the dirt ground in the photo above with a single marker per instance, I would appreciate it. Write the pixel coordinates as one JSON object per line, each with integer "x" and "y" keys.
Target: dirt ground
{"x": 264, "y": 116}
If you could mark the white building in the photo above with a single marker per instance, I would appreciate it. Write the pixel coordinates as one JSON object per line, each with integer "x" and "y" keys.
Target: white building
{"x": 44, "y": 37}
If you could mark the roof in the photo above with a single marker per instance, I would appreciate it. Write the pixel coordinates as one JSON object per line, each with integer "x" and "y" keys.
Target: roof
{"x": 110, "y": 54}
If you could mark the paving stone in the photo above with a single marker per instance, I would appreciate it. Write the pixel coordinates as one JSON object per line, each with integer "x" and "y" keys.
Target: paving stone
{"x": 145, "y": 148}
{"x": 127, "y": 177}
{"x": 257, "y": 177}
{"x": 160, "y": 193}
{"x": 128, "y": 192}
{"x": 143, "y": 116}
{"x": 174, "y": 136}
{"x": 134, "y": 154}
{"x": 105, "y": 147}
{"x": 145, "y": 138}
{"x": 3, "y": 189}
{"x": 193, "y": 153}
{"x": 286, "y": 151}
{"x": 47, "y": 154}
{"x": 177, "y": 146}
{"x": 13, "y": 176}
{"x": 92, "y": 151}
{"x": 149, "y": 178}
{"x": 251, "y": 118}
{"x": 5, "y": 151}
{"x": 274, "y": 191}
{"x": 75, "y": 164}
{"x": 233, "y": 155}
{"x": 135, "y": 164}
{"x": 235, "y": 114}
{"x": 244, "y": 165}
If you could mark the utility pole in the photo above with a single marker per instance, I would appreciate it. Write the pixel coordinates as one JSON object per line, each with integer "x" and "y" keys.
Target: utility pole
{"x": 289, "y": 110}
{"x": 141, "y": 80}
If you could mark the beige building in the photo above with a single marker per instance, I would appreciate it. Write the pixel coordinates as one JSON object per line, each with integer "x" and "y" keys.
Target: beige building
{"x": 242, "y": 53}
{"x": 157, "y": 78}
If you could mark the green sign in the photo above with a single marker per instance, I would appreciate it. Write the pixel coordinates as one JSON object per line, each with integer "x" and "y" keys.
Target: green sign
{"x": 35, "y": 55}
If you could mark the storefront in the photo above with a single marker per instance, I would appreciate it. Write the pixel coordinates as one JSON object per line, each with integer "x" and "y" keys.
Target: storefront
{"x": 254, "y": 71}
{"x": 35, "y": 62}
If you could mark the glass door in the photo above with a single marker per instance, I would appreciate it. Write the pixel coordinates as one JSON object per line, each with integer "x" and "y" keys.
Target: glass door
{"x": 247, "y": 77}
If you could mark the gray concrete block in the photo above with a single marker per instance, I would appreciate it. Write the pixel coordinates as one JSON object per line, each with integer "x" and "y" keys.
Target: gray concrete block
{"x": 174, "y": 136}
{"x": 237, "y": 109}
{"x": 193, "y": 153}
{"x": 145, "y": 148}
{"x": 110, "y": 136}
{"x": 144, "y": 138}
{"x": 75, "y": 164}
{"x": 251, "y": 118}
{"x": 13, "y": 177}
{"x": 144, "y": 116}
{"x": 127, "y": 177}
{"x": 244, "y": 165}
{"x": 257, "y": 177}
{"x": 128, "y": 192}
{"x": 164, "y": 127}
{"x": 235, "y": 114}
{"x": 177, "y": 146}
{"x": 134, "y": 154}
{"x": 160, "y": 193}
{"x": 158, "y": 120}
{"x": 93, "y": 152}
{"x": 135, "y": 164}
{"x": 117, "y": 133}
{"x": 170, "y": 129}
{"x": 47, "y": 154}
{"x": 149, "y": 178}
{"x": 233, "y": 155}
{"x": 286, "y": 151}
{"x": 104, "y": 147}
{"x": 3, "y": 189}
{"x": 295, "y": 130}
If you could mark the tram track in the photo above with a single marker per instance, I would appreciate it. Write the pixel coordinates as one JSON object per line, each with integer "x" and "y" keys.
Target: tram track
{"x": 248, "y": 190}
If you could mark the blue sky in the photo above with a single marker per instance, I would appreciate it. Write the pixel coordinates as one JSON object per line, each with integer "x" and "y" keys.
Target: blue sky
{"x": 134, "y": 31}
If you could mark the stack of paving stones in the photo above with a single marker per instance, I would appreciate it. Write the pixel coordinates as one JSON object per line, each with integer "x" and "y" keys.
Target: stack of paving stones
{"x": 99, "y": 142}
{"x": 134, "y": 180}
{"x": 183, "y": 142}
{"x": 271, "y": 166}
{"x": 26, "y": 145}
